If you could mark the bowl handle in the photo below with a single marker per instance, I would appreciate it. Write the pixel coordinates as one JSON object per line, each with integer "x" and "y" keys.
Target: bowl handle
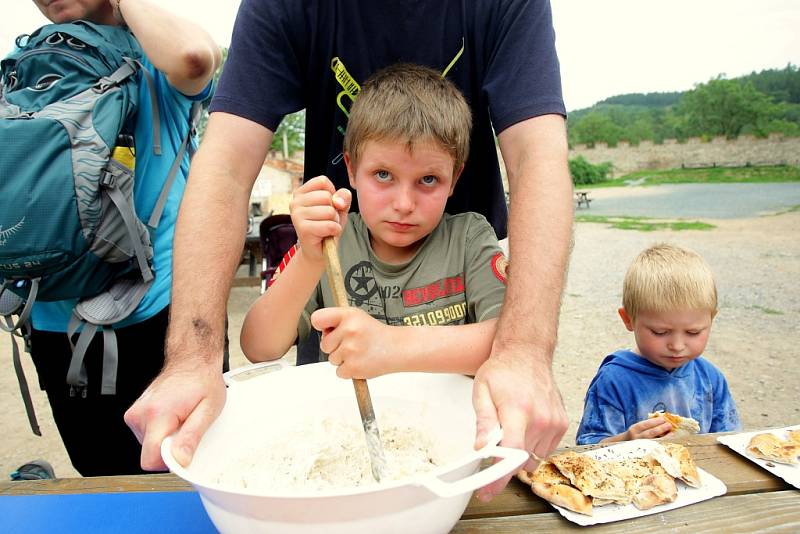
{"x": 246, "y": 372}
{"x": 511, "y": 461}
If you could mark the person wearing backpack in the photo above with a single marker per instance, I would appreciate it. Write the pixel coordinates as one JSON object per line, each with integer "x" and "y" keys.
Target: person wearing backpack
{"x": 177, "y": 64}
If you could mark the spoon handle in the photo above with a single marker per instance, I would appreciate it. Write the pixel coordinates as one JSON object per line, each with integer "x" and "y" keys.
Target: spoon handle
{"x": 374, "y": 446}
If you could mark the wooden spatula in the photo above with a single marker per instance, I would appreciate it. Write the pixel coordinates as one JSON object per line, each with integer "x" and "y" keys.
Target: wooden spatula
{"x": 374, "y": 446}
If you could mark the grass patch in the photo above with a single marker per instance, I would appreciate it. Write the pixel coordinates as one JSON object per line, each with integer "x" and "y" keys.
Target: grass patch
{"x": 790, "y": 209}
{"x": 784, "y": 211}
{"x": 768, "y": 311}
{"x": 712, "y": 175}
{"x": 644, "y": 224}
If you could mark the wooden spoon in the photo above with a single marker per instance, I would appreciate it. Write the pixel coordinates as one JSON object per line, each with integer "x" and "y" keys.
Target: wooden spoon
{"x": 374, "y": 446}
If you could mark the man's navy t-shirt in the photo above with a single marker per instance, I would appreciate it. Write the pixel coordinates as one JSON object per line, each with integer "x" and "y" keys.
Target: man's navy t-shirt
{"x": 287, "y": 55}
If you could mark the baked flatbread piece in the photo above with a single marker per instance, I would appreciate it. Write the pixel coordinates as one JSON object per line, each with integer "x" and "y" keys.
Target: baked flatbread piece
{"x": 548, "y": 483}
{"x": 770, "y": 447}
{"x": 633, "y": 472}
{"x": 590, "y": 476}
{"x": 680, "y": 425}
{"x": 655, "y": 490}
{"x": 687, "y": 468}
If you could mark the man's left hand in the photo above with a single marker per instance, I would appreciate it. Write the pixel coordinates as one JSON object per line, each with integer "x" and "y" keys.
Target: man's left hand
{"x": 515, "y": 389}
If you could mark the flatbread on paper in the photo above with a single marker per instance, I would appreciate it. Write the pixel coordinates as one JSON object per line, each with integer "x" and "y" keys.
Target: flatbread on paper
{"x": 590, "y": 476}
{"x": 770, "y": 447}
{"x": 655, "y": 490}
{"x": 687, "y": 468}
{"x": 579, "y": 482}
{"x": 633, "y": 472}
{"x": 551, "y": 485}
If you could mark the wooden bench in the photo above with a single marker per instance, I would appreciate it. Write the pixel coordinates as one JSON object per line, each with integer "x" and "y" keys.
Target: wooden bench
{"x": 582, "y": 198}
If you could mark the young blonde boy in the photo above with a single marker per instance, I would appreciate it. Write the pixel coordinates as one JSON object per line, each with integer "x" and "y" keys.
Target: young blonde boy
{"x": 425, "y": 287}
{"x": 669, "y": 300}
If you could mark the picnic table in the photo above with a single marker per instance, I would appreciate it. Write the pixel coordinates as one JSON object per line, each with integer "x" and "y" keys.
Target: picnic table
{"x": 582, "y": 198}
{"x": 756, "y": 500}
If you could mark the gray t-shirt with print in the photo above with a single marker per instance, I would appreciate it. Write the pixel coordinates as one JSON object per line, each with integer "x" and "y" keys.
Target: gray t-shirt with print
{"x": 456, "y": 277}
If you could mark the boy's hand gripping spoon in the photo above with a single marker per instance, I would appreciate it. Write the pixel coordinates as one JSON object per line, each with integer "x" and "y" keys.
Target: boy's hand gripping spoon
{"x": 336, "y": 281}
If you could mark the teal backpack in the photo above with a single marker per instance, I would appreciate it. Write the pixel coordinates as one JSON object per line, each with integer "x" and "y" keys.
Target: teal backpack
{"x": 68, "y": 227}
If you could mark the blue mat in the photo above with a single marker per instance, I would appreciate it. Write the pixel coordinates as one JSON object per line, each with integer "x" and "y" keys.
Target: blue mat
{"x": 129, "y": 513}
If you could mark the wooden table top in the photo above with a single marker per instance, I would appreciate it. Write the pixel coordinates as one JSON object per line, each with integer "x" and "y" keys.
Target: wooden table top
{"x": 756, "y": 499}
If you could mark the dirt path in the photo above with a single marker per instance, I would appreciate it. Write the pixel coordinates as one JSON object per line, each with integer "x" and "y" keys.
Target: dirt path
{"x": 754, "y": 340}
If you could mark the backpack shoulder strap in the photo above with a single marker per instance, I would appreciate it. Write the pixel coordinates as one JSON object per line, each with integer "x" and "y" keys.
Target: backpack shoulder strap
{"x": 156, "y": 114}
{"x": 11, "y": 304}
{"x": 194, "y": 119}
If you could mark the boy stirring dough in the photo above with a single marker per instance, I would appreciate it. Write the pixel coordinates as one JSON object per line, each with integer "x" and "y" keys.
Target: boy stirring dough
{"x": 426, "y": 287}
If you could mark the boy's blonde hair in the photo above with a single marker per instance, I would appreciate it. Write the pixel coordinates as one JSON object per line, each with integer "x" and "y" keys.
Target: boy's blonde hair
{"x": 412, "y": 104}
{"x": 666, "y": 277}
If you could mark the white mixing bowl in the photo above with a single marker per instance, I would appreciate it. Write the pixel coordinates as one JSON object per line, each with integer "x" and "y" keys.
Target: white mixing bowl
{"x": 261, "y": 403}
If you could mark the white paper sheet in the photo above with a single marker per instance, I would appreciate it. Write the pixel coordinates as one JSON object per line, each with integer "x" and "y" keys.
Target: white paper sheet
{"x": 738, "y": 443}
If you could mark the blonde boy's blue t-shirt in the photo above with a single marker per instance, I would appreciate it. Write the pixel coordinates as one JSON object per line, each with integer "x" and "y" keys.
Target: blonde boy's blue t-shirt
{"x": 628, "y": 387}
{"x": 151, "y": 172}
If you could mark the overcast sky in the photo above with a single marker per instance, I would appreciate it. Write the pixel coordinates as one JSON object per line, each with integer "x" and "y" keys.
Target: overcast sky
{"x": 606, "y": 47}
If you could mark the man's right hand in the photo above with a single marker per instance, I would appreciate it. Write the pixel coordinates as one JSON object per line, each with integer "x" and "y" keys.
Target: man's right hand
{"x": 186, "y": 400}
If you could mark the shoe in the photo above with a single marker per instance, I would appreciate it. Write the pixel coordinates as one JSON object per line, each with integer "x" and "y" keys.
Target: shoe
{"x": 35, "y": 470}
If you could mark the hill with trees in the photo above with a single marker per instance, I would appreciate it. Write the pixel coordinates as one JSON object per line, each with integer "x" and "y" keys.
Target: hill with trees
{"x": 756, "y": 104}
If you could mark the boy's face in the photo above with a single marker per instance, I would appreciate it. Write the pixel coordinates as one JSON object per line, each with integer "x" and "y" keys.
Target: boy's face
{"x": 401, "y": 194}
{"x": 61, "y": 11}
{"x": 670, "y": 339}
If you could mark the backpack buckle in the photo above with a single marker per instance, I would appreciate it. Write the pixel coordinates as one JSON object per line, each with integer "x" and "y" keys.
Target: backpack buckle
{"x": 103, "y": 84}
{"x": 107, "y": 179}
{"x": 75, "y": 391}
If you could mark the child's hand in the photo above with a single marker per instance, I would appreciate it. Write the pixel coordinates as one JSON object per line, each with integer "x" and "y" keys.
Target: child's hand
{"x": 318, "y": 211}
{"x": 359, "y": 345}
{"x": 649, "y": 429}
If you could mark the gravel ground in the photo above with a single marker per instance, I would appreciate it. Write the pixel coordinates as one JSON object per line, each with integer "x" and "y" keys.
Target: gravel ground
{"x": 754, "y": 339}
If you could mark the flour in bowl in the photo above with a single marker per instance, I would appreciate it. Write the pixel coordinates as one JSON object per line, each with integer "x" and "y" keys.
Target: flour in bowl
{"x": 327, "y": 455}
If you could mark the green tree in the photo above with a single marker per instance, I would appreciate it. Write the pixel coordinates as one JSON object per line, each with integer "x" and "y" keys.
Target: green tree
{"x": 293, "y": 129}
{"x": 584, "y": 172}
{"x": 593, "y": 128}
{"x": 725, "y": 107}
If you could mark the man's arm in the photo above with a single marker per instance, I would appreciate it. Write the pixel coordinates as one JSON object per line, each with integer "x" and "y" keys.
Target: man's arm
{"x": 183, "y": 51}
{"x": 515, "y": 387}
{"x": 189, "y": 393}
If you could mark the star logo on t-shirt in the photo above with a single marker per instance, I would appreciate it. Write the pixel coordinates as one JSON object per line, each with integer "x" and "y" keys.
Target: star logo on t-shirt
{"x": 360, "y": 282}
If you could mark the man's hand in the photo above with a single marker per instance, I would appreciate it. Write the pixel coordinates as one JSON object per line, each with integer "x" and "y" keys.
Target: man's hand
{"x": 359, "y": 345}
{"x": 186, "y": 400}
{"x": 516, "y": 390}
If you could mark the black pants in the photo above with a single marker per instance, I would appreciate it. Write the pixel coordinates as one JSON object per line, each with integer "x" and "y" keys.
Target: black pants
{"x": 92, "y": 428}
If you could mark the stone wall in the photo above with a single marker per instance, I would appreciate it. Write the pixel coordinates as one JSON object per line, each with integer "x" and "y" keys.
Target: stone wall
{"x": 719, "y": 151}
